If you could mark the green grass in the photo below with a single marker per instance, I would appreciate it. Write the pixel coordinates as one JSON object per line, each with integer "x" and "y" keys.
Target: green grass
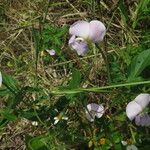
{"x": 39, "y": 87}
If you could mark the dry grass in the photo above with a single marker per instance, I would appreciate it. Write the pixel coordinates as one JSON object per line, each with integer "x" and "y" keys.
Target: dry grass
{"x": 17, "y": 51}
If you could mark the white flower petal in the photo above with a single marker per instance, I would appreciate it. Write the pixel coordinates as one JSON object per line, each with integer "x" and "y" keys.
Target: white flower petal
{"x": 65, "y": 118}
{"x": 100, "y": 111}
{"x": 133, "y": 109}
{"x": 80, "y": 28}
{"x": 132, "y": 147}
{"x": 56, "y": 121}
{"x": 51, "y": 52}
{"x": 56, "y": 118}
{"x": 143, "y": 100}
{"x": 72, "y": 39}
{"x": 0, "y": 79}
{"x": 97, "y": 31}
{"x": 124, "y": 143}
{"x": 89, "y": 107}
{"x": 90, "y": 116}
{"x": 93, "y": 107}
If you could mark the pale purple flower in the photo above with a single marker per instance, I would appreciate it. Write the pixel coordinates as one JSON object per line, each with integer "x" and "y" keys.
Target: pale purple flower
{"x": 0, "y": 79}
{"x": 135, "y": 108}
{"x": 94, "y": 110}
{"x": 82, "y": 32}
{"x": 51, "y": 52}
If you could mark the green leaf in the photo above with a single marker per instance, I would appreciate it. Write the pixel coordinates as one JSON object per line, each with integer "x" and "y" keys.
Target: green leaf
{"x": 38, "y": 143}
{"x": 4, "y": 92}
{"x": 75, "y": 81}
{"x": 8, "y": 114}
{"x": 10, "y": 83}
{"x": 138, "y": 64}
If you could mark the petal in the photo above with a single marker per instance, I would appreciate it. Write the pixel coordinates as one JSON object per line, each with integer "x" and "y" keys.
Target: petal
{"x": 90, "y": 116}
{"x": 56, "y": 118}
{"x": 143, "y": 100}
{"x": 144, "y": 119}
{"x": 147, "y": 123}
{"x": 138, "y": 120}
{"x": 56, "y": 121}
{"x": 97, "y": 31}
{"x": 65, "y": 118}
{"x": 80, "y": 47}
{"x": 133, "y": 109}
{"x": 89, "y": 107}
{"x": 72, "y": 39}
{"x": 51, "y": 52}
{"x": 0, "y": 79}
{"x": 100, "y": 111}
{"x": 93, "y": 107}
{"x": 124, "y": 143}
{"x": 80, "y": 28}
{"x": 131, "y": 147}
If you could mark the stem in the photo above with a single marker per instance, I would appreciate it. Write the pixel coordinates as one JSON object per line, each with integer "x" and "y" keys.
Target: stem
{"x": 98, "y": 89}
{"x": 104, "y": 55}
{"x": 132, "y": 134}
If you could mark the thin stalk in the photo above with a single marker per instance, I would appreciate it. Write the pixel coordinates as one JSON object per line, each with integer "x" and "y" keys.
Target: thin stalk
{"x": 97, "y": 89}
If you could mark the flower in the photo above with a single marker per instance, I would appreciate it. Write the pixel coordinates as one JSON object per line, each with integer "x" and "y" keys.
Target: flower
{"x": 51, "y": 52}
{"x": 129, "y": 146}
{"x": 59, "y": 117}
{"x": 134, "y": 110}
{"x": 94, "y": 110}
{"x": 34, "y": 123}
{"x": 82, "y": 32}
{"x": 0, "y": 79}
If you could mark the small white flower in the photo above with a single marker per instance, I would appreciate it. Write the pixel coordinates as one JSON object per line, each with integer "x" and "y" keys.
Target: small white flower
{"x": 135, "y": 108}
{"x": 51, "y": 52}
{"x": 60, "y": 117}
{"x": 0, "y": 79}
{"x": 94, "y": 110}
{"x": 34, "y": 123}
